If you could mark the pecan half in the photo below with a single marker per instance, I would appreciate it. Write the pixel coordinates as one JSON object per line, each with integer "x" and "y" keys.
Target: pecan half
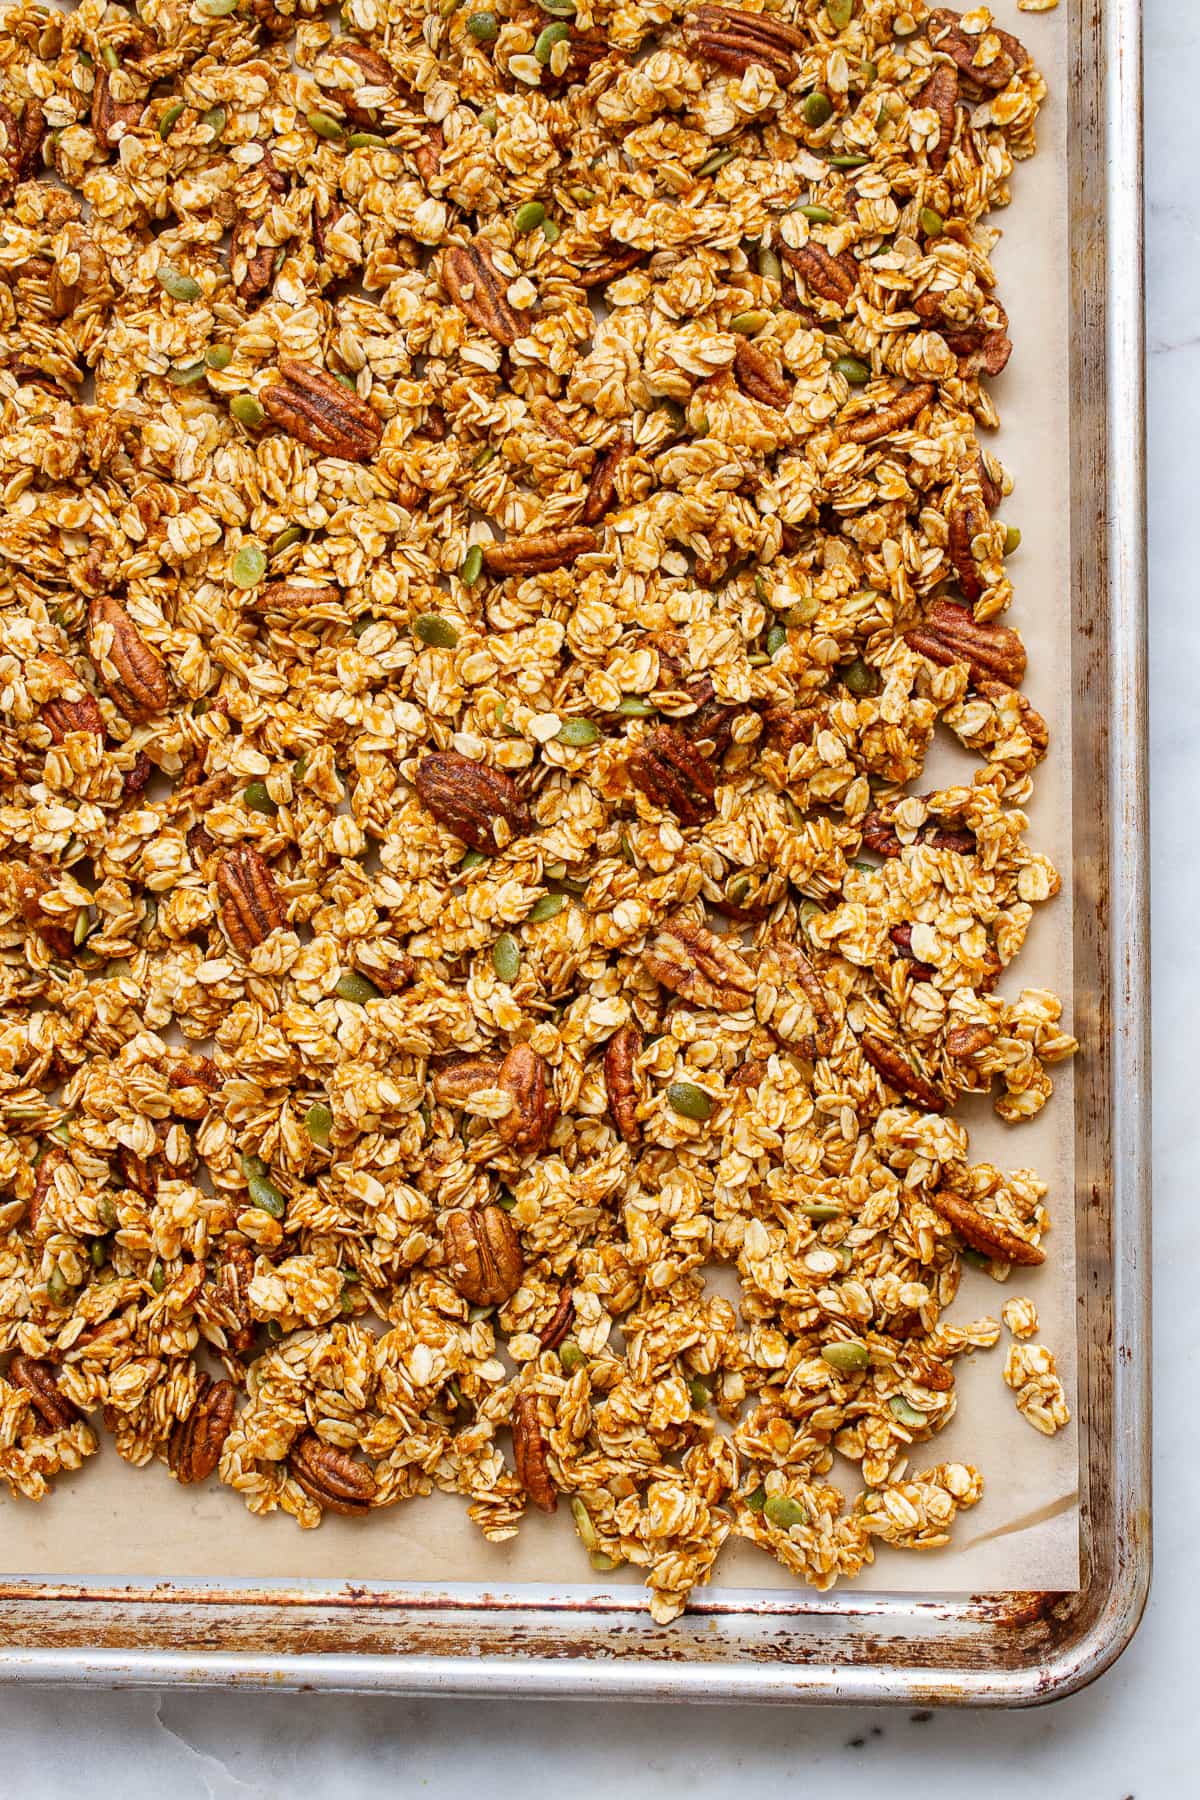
{"x": 195, "y": 1445}
{"x": 294, "y": 599}
{"x": 468, "y": 797}
{"x": 832, "y": 278}
{"x": 376, "y": 73}
{"x": 258, "y": 260}
{"x": 899, "y": 1073}
{"x": 623, "y": 1049}
{"x": 940, "y": 95}
{"x": 472, "y": 281}
{"x": 22, "y": 142}
{"x": 737, "y": 40}
{"x": 669, "y": 770}
{"x": 132, "y": 673}
{"x": 811, "y": 1039}
{"x": 602, "y": 483}
{"x": 1035, "y": 727}
{"x": 559, "y": 1322}
{"x": 618, "y": 260}
{"x": 967, "y": 518}
{"x": 699, "y": 966}
{"x": 758, "y": 377}
{"x": 111, "y": 118}
{"x": 318, "y": 411}
{"x": 251, "y": 905}
{"x": 322, "y": 223}
{"x": 981, "y": 348}
{"x": 428, "y": 154}
{"x": 983, "y": 1233}
{"x": 1006, "y": 54}
{"x": 528, "y": 1126}
{"x": 965, "y": 1041}
{"x": 989, "y": 487}
{"x": 540, "y": 551}
{"x": 483, "y": 1255}
{"x": 879, "y": 834}
{"x": 330, "y": 1476}
{"x": 37, "y": 1378}
{"x": 454, "y": 1084}
{"x": 950, "y": 634}
{"x": 31, "y": 882}
{"x": 531, "y": 1453}
{"x": 231, "y": 1290}
{"x": 53, "y": 1159}
{"x": 899, "y": 412}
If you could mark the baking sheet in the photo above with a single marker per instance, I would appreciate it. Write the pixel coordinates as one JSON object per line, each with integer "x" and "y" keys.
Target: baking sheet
{"x": 115, "y": 1521}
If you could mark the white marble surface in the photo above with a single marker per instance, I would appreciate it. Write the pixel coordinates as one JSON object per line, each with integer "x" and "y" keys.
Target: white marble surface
{"x": 1133, "y": 1733}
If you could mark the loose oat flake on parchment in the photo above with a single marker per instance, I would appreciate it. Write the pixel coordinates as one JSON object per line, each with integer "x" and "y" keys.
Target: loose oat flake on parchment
{"x": 496, "y": 504}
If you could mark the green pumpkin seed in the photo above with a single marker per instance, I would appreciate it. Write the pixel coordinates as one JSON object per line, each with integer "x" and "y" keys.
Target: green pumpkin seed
{"x": 816, "y": 215}
{"x": 860, "y": 677}
{"x": 577, "y": 733}
{"x": 291, "y": 534}
{"x": 851, "y": 370}
{"x": 529, "y": 216}
{"x": 356, "y": 989}
{"x": 820, "y": 1211}
{"x": 551, "y": 231}
{"x": 325, "y": 126}
{"x": 275, "y": 1331}
{"x": 219, "y": 356}
{"x": 216, "y": 9}
{"x": 216, "y": 118}
{"x": 747, "y": 323}
{"x": 432, "y": 629}
{"x": 171, "y": 118}
{"x": 720, "y": 159}
{"x": 472, "y": 566}
{"x": 58, "y": 1288}
{"x": 366, "y": 140}
{"x": 869, "y": 74}
{"x": 506, "y": 957}
{"x": 187, "y": 374}
{"x": 582, "y": 196}
{"x": 180, "y": 287}
{"x": 484, "y": 27}
{"x": 547, "y": 906}
{"x": 249, "y": 565}
{"x": 583, "y": 1523}
{"x": 546, "y": 40}
{"x": 256, "y": 798}
{"x": 602, "y": 1562}
{"x": 1012, "y": 539}
{"x": 505, "y": 1201}
{"x": 571, "y": 1357}
{"x": 158, "y": 1278}
{"x": 471, "y": 859}
{"x": 785, "y": 1512}
{"x": 907, "y": 1415}
{"x": 808, "y": 911}
{"x": 776, "y": 639}
{"x": 848, "y": 161}
{"x": 931, "y": 222}
{"x": 976, "y": 1258}
{"x": 558, "y": 9}
{"x": 737, "y": 889}
{"x": 818, "y": 110}
{"x": 247, "y": 411}
{"x": 839, "y": 13}
{"x": 756, "y": 1499}
{"x": 99, "y": 1252}
{"x": 633, "y": 706}
{"x": 698, "y": 1394}
{"x": 318, "y": 1122}
{"x": 846, "y": 1357}
{"x": 484, "y": 457}
{"x": 106, "y": 1212}
{"x": 689, "y": 1101}
{"x": 109, "y": 57}
{"x": 489, "y": 121}
{"x": 769, "y": 265}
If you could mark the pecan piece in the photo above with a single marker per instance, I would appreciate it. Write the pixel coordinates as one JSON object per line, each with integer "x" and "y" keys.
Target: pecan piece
{"x": 950, "y": 634}
{"x": 473, "y": 282}
{"x": 136, "y": 777}
{"x": 111, "y": 118}
{"x": 22, "y": 142}
{"x": 540, "y": 551}
{"x": 668, "y": 769}
{"x": 137, "y": 1172}
{"x": 37, "y": 1378}
{"x": 810, "y": 1039}
{"x": 737, "y": 40}
{"x": 1006, "y": 54}
{"x": 901, "y": 937}
{"x": 323, "y": 222}
{"x": 748, "y": 1074}
{"x": 483, "y": 1255}
{"x": 428, "y": 154}
{"x": 318, "y": 411}
{"x": 965, "y": 1041}
{"x": 940, "y": 95}
{"x": 131, "y": 671}
{"x": 967, "y": 518}
{"x": 989, "y": 487}
{"x": 890, "y": 1062}
{"x": 699, "y": 966}
{"x": 231, "y": 1291}
{"x": 1035, "y": 727}
{"x": 982, "y": 1232}
{"x": 294, "y": 599}
{"x": 258, "y": 261}
{"x": 712, "y": 720}
{"x": 832, "y": 278}
{"x": 528, "y": 1126}
{"x": 468, "y": 797}
{"x": 602, "y": 483}
{"x": 559, "y": 1322}
{"x": 880, "y": 835}
{"x": 531, "y": 1453}
{"x": 758, "y": 377}
{"x": 624, "y": 1047}
{"x": 899, "y": 412}
{"x": 455, "y": 1084}
{"x": 981, "y": 348}
{"x": 376, "y": 73}
{"x": 330, "y": 1476}
{"x": 53, "y": 1159}
{"x": 32, "y": 881}
{"x": 195, "y": 1445}
{"x": 618, "y": 261}
{"x": 251, "y": 904}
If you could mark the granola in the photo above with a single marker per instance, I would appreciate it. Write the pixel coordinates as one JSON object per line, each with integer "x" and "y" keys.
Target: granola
{"x": 494, "y": 515}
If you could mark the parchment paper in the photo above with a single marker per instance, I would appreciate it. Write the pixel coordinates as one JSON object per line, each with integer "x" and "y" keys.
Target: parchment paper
{"x": 113, "y": 1520}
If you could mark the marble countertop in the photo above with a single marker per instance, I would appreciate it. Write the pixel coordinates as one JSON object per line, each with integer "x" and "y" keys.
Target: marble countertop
{"x": 1132, "y": 1733}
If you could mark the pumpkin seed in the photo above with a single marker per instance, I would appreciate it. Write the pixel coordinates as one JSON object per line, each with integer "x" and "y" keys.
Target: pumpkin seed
{"x": 355, "y": 988}
{"x": 472, "y": 566}
{"x": 839, "y": 13}
{"x": 571, "y": 1357}
{"x": 1012, "y": 539}
{"x": 158, "y": 1278}
{"x": 558, "y": 9}
{"x": 551, "y": 231}
{"x": 860, "y": 677}
{"x": 263, "y": 1192}
{"x": 219, "y": 356}
{"x": 634, "y": 707}
{"x": 257, "y": 798}
{"x": 756, "y": 1499}
{"x": 776, "y": 638}
{"x": 247, "y": 411}
{"x": 187, "y": 374}
{"x": 180, "y": 287}
{"x": 546, "y": 40}
{"x": 846, "y": 1357}
{"x": 747, "y": 323}
{"x": 506, "y": 957}
{"x": 847, "y": 161}
{"x": 432, "y": 629}
{"x": 249, "y": 565}
{"x": 803, "y": 612}
{"x": 769, "y": 265}
{"x": 216, "y": 119}
{"x": 689, "y": 1101}
{"x": 577, "y": 733}
{"x": 819, "y": 1211}
{"x": 583, "y": 1523}
{"x": 931, "y": 222}
{"x": 366, "y": 140}
{"x": 719, "y": 159}
{"x": 58, "y": 1288}
{"x": 471, "y": 859}
{"x": 318, "y": 1122}
{"x": 216, "y": 9}
{"x": 907, "y": 1415}
{"x": 816, "y": 215}
{"x": 325, "y": 126}
{"x": 109, "y": 57}
{"x": 291, "y": 534}
{"x": 489, "y": 121}
{"x": 106, "y": 1212}
{"x": 698, "y": 1394}
{"x": 818, "y": 110}
{"x": 99, "y": 1252}
{"x": 529, "y": 216}
{"x": 547, "y": 906}
{"x": 602, "y": 1562}
{"x": 484, "y": 27}
{"x": 851, "y": 370}
{"x": 785, "y": 1512}
{"x": 582, "y": 196}
{"x": 171, "y": 118}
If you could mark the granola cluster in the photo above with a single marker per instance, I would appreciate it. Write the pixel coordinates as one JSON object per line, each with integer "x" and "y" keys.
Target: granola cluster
{"x": 494, "y": 512}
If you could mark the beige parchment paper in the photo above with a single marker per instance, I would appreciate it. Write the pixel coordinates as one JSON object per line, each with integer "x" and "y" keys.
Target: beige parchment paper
{"x": 116, "y": 1521}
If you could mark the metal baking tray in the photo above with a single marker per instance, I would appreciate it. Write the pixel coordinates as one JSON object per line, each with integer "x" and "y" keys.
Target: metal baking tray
{"x": 849, "y": 1646}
